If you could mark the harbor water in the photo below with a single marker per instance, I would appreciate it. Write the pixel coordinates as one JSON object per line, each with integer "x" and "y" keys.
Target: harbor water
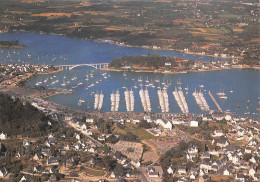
{"x": 241, "y": 86}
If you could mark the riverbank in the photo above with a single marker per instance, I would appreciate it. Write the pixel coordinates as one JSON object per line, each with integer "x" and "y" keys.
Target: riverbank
{"x": 166, "y": 49}
{"x": 182, "y": 72}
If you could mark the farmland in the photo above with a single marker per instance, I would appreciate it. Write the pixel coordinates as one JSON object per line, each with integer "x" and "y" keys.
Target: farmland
{"x": 226, "y": 28}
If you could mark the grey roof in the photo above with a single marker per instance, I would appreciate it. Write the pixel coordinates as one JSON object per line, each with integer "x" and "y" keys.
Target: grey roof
{"x": 4, "y": 171}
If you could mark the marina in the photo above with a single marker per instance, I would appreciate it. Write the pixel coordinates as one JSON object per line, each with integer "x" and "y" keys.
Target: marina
{"x": 84, "y": 81}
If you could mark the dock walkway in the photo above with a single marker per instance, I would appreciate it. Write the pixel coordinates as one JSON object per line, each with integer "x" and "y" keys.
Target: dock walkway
{"x": 214, "y": 100}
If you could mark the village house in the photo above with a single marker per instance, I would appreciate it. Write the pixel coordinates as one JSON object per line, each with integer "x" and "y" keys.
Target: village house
{"x": 217, "y": 133}
{"x": 26, "y": 177}
{"x": 89, "y": 120}
{"x": 182, "y": 170}
{"x": 218, "y": 116}
{"x": 240, "y": 177}
{"x": 164, "y": 123}
{"x": 3, "y": 136}
{"x": 38, "y": 156}
{"x": 3, "y": 172}
{"x": 171, "y": 170}
{"x": 152, "y": 173}
{"x": 206, "y": 155}
{"x": 194, "y": 123}
{"x": 38, "y": 169}
{"x": 220, "y": 142}
{"x": 53, "y": 161}
{"x": 177, "y": 121}
{"x": 227, "y": 172}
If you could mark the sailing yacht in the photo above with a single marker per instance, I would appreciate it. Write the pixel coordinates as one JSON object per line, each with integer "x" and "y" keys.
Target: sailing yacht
{"x": 63, "y": 84}
{"x": 186, "y": 88}
{"x": 179, "y": 81}
{"x": 140, "y": 79}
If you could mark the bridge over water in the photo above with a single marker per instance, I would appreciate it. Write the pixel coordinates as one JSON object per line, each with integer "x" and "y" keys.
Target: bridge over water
{"x": 93, "y": 65}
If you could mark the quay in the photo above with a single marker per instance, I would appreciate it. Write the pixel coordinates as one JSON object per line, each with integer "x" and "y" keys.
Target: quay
{"x": 214, "y": 100}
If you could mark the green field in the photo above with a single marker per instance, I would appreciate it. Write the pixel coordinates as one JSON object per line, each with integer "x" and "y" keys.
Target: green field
{"x": 141, "y": 133}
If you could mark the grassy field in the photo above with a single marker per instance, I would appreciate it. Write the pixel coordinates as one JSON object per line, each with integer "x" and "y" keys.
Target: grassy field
{"x": 141, "y": 133}
{"x": 93, "y": 172}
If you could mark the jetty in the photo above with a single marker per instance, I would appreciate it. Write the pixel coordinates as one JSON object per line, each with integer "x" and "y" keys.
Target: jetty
{"x": 179, "y": 97}
{"x": 130, "y": 101}
{"x": 163, "y": 100}
{"x": 214, "y": 100}
{"x": 146, "y": 103}
{"x": 115, "y": 98}
{"x": 98, "y": 101}
{"x": 201, "y": 101}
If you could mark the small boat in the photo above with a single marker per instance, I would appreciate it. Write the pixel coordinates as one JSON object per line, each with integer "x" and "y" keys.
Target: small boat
{"x": 201, "y": 86}
{"x": 179, "y": 81}
{"x": 223, "y": 97}
{"x": 63, "y": 84}
{"x": 186, "y": 88}
{"x": 248, "y": 101}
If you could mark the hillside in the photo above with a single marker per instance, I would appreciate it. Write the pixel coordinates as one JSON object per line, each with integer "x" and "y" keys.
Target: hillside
{"x": 17, "y": 118}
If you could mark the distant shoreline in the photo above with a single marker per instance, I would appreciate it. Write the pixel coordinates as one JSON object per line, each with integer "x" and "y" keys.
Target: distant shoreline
{"x": 112, "y": 42}
{"x": 181, "y": 72}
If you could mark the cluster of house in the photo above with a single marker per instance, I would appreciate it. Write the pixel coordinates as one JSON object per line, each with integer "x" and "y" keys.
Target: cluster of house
{"x": 12, "y": 72}
{"x": 191, "y": 120}
{"x": 132, "y": 150}
{"x": 225, "y": 159}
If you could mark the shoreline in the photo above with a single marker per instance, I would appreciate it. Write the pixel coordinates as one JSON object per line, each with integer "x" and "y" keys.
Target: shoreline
{"x": 112, "y": 42}
{"x": 182, "y": 72}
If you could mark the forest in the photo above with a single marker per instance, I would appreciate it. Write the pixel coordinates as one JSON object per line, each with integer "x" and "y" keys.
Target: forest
{"x": 154, "y": 61}
{"x": 21, "y": 118}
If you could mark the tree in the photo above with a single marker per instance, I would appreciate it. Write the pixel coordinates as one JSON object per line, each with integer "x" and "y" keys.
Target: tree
{"x": 144, "y": 124}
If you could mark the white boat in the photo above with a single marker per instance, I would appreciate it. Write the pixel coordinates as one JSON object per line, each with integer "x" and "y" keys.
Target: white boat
{"x": 63, "y": 84}
{"x": 179, "y": 81}
{"x": 223, "y": 97}
{"x": 201, "y": 86}
{"x": 186, "y": 88}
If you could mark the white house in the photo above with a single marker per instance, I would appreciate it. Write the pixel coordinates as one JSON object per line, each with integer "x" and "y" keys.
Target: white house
{"x": 182, "y": 170}
{"x": 193, "y": 150}
{"x": 217, "y": 133}
{"x": 148, "y": 118}
{"x": 3, "y": 136}
{"x": 153, "y": 174}
{"x": 112, "y": 175}
{"x": 227, "y": 172}
{"x": 251, "y": 172}
{"x": 171, "y": 170}
{"x": 253, "y": 160}
{"x": 3, "y": 172}
{"x": 194, "y": 123}
{"x": 192, "y": 176}
{"x": 177, "y": 121}
{"x": 89, "y": 120}
{"x": 165, "y": 124}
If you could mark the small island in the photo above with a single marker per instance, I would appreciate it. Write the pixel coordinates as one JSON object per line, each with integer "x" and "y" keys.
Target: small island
{"x": 12, "y": 44}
